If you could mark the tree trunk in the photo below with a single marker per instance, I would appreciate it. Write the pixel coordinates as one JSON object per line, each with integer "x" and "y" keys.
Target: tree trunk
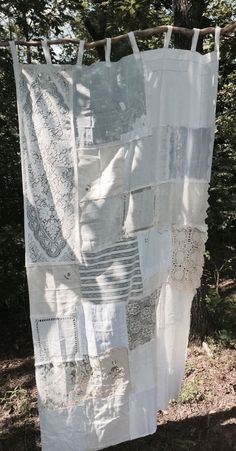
{"x": 27, "y": 37}
{"x": 188, "y": 14}
{"x": 199, "y": 327}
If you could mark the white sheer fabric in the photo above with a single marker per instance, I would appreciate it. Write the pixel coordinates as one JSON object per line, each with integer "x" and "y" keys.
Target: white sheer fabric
{"x": 116, "y": 163}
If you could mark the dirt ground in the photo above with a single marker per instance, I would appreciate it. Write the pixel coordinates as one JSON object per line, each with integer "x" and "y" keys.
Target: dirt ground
{"x": 203, "y": 419}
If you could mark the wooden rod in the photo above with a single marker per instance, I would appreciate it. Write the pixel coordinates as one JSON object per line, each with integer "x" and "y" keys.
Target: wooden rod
{"x": 140, "y": 33}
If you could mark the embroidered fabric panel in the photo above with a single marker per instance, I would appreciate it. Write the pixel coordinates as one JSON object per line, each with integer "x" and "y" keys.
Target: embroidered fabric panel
{"x": 105, "y": 326}
{"x": 106, "y": 105}
{"x": 72, "y": 383}
{"x": 63, "y": 384}
{"x": 55, "y": 338}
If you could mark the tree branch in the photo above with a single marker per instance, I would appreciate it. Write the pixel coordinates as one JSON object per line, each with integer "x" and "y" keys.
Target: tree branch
{"x": 140, "y": 33}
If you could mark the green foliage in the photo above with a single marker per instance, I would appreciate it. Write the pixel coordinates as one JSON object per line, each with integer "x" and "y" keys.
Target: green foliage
{"x": 221, "y": 11}
{"x": 16, "y": 401}
{"x": 222, "y": 193}
{"x": 222, "y": 313}
{"x": 227, "y": 338}
{"x": 12, "y": 279}
{"x": 189, "y": 392}
{"x": 95, "y": 19}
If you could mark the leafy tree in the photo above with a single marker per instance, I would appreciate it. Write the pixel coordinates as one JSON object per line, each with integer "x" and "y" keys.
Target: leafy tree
{"x": 93, "y": 20}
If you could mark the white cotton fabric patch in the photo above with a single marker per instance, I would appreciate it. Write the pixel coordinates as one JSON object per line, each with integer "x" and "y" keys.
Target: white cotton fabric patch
{"x": 116, "y": 164}
{"x": 154, "y": 251}
{"x": 105, "y": 327}
{"x": 173, "y": 322}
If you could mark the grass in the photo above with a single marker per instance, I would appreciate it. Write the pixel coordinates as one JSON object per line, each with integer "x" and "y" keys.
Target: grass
{"x": 16, "y": 401}
{"x": 190, "y": 392}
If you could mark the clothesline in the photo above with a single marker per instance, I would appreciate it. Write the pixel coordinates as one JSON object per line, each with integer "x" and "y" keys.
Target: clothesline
{"x": 140, "y": 33}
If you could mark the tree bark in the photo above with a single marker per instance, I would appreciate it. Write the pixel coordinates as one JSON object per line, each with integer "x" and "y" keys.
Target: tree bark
{"x": 188, "y": 14}
{"x": 199, "y": 327}
{"x": 26, "y": 33}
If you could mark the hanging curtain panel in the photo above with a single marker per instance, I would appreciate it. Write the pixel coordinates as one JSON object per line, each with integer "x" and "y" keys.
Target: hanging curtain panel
{"x": 116, "y": 164}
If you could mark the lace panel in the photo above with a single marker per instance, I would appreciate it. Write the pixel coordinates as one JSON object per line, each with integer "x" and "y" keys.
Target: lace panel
{"x": 48, "y": 161}
{"x": 141, "y": 319}
{"x": 187, "y": 257}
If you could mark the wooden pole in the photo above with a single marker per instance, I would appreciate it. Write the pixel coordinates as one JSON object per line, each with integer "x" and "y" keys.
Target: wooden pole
{"x": 140, "y": 33}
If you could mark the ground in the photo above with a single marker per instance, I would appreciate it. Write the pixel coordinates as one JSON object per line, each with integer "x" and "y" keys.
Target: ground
{"x": 203, "y": 419}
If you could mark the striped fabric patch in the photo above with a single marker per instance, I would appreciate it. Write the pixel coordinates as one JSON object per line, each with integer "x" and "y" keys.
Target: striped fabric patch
{"x": 113, "y": 274}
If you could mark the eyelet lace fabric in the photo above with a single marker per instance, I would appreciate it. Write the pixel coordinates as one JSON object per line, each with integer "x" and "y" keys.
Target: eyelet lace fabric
{"x": 116, "y": 164}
